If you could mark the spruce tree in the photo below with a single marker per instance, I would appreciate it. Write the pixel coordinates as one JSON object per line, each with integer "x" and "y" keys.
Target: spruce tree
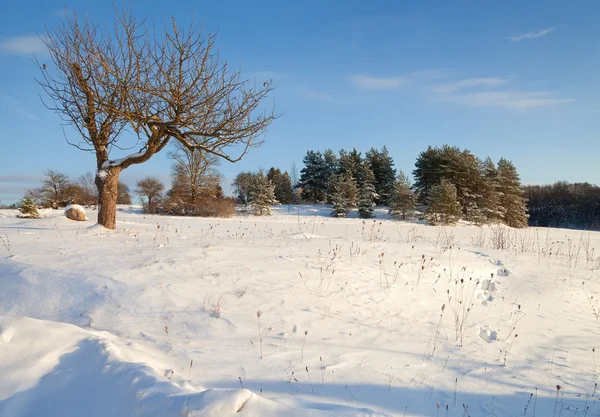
{"x": 382, "y": 165}
{"x": 366, "y": 192}
{"x": 511, "y": 195}
{"x": 443, "y": 207}
{"x": 331, "y": 171}
{"x": 339, "y": 199}
{"x": 28, "y": 208}
{"x": 262, "y": 195}
{"x": 403, "y": 200}
{"x": 284, "y": 193}
{"x": 314, "y": 176}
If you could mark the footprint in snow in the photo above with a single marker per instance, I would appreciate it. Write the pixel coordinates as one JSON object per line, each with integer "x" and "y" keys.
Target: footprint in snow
{"x": 489, "y": 285}
{"x": 485, "y": 298}
{"x": 503, "y": 272}
{"x": 488, "y": 335}
{"x": 496, "y": 262}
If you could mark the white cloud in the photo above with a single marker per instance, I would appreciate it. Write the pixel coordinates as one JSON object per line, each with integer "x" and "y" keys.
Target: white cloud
{"x": 23, "y": 45}
{"x": 532, "y": 35}
{"x": 376, "y": 83}
{"x": 469, "y": 83}
{"x": 316, "y": 96}
{"x": 514, "y": 100}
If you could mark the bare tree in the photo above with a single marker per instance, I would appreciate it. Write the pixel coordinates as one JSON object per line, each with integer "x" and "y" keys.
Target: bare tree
{"x": 56, "y": 190}
{"x": 158, "y": 86}
{"x": 150, "y": 188}
{"x": 194, "y": 173}
{"x": 123, "y": 196}
{"x": 89, "y": 192}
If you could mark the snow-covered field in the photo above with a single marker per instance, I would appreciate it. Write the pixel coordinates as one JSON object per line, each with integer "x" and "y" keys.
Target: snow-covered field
{"x": 295, "y": 315}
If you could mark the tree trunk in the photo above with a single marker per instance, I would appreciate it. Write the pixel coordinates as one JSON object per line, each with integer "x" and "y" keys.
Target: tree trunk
{"x": 107, "y": 181}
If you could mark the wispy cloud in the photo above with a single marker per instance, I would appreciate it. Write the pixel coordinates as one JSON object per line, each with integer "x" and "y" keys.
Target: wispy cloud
{"x": 376, "y": 83}
{"x": 514, "y": 100}
{"x": 317, "y": 96}
{"x": 531, "y": 35}
{"x": 469, "y": 83}
{"x": 12, "y": 105}
{"x": 23, "y": 45}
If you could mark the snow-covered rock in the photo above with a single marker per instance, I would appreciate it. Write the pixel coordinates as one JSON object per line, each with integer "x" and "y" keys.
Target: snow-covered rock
{"x": 75, "y": 212}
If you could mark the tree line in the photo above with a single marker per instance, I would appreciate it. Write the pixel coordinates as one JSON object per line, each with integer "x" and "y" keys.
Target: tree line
{"x": 572, "y": 206}
{"x": 450, "y": 184}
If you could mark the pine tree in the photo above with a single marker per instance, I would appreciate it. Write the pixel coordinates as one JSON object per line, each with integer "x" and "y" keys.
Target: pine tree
{"x": 403, "y": 200}
{"x": 443, "y": 207}
{"x": 511, "y": 195}
{"x": 331, "y": 173}
{"x": 382, "y": 165}
{"x": 28, "y": 208}
{"x": 262, "y": 195}
{"x": 427, "y": 173}
{"x": 314, "y": 176}
{"x": 490, "y": 201}
{"x": 284, "y": 193}
{"x": 366, "y": 192}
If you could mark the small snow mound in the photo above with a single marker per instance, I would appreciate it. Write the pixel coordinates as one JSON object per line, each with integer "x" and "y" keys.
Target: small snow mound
{"x": 6, "y": 335}
{"x": 488, "y": 335}
{"x": 304, "y": 236}
{"x": 503, "y": 272}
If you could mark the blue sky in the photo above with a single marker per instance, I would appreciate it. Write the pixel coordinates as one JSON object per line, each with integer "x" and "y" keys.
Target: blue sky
{"x": 513, "y": 79}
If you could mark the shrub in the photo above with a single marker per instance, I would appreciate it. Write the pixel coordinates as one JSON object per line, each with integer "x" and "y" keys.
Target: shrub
{"x": 204, "y": 207}
{"x": 28, "y": 209}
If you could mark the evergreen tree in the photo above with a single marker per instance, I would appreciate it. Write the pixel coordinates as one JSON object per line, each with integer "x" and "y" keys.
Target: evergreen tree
{"x": 28, "y": 208}
{"x": 490, "y": 200}
{"x": 351, "y": 162}
{"x": 284, "y": 193}
{"x": 443, "y": 207}
{"x": 403, "y": 200}
{"x": 382, "y": 165}
{"x": 469, "y": 183}
{"x": 262, "y": 195}
{"x": 511, "y": 195}
{"x": 366, "y": 192}
{"x": 427, "y": 173}
{"x": 331, "y": 167}
{"x": 314, "y": 176}
{"x": 339, "y": 199}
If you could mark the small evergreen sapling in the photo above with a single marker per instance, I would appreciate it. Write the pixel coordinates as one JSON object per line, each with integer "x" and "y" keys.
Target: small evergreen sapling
{"x": 28, "y": 209}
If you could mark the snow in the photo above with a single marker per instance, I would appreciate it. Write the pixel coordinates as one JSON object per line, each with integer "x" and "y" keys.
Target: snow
{"x": 117, "y": 162}
{"x": 159, "y": 317}
{"x": 75, "y": 207}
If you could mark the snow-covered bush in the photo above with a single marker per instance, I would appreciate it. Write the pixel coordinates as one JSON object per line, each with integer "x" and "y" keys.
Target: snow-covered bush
{"x": 28, "y": 209}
